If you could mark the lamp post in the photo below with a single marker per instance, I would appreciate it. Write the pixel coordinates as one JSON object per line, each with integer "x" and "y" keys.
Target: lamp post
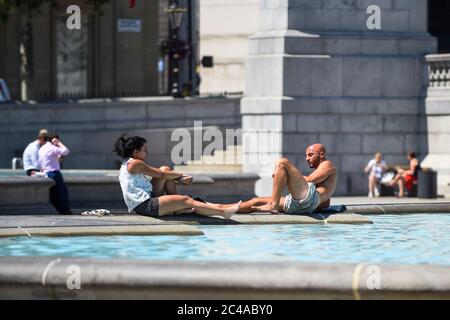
{"x": 175, "y": 48}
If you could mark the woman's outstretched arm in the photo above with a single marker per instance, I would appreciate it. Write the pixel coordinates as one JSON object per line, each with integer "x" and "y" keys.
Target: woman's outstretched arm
{"x": 139, "y": 166}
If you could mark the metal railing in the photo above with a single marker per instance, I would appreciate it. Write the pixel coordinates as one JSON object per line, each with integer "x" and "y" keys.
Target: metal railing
{"x": 73, "y": 96}
{"x": 68, "y": 96}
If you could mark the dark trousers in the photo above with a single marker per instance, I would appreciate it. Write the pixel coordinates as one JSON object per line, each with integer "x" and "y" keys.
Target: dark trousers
{"x": 59, "y": 195}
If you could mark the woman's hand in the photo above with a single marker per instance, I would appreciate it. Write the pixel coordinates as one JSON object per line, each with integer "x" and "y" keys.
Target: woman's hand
{"x": 186, "y": 180}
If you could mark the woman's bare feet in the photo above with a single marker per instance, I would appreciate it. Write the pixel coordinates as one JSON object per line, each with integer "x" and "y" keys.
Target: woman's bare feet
{"x": 230, "y": 210}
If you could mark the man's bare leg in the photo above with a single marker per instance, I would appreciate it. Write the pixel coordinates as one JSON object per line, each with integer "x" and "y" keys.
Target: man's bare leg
{"x": 286, "y": 174}
{"x": 247, "y": 206}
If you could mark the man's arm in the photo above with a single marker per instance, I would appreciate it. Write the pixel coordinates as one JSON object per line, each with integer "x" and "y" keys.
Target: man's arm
{"x": 61, "y": 149}
{"x": 369, "y": 166}
{"x": 324, "y": 170}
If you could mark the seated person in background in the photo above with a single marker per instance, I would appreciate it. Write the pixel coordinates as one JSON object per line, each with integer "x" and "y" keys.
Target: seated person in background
{"x": 406, "y": 178}
{"x": 376, "y": 167}
{"x": 30, "y": 155}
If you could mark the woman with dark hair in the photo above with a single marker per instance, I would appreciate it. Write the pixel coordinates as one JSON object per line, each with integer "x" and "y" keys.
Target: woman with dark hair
{"x": 158, "y": 197}
{"x": 406, "y": 178}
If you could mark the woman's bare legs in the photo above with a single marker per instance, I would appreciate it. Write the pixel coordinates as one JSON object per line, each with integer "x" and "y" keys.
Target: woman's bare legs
{"x": 371, "y": 185}
{"x": 163, "y": 186}
{"x": 400, "y": 181}
{"x": 167, "y": 187}
{"x": 401, "y": 187}
{"x": 397, "y": 177}
{"x": 173, "y": 203}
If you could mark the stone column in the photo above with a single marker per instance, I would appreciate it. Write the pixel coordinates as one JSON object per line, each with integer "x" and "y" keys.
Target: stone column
{"x": 316, "y": 73}
{"x": 437, "y": 108}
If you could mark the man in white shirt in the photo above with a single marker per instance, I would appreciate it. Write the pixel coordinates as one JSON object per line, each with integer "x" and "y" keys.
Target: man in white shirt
{"x": 30, "y": 155}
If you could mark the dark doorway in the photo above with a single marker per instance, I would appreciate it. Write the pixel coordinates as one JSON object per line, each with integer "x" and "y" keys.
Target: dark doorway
{"x": 439, "y": 23}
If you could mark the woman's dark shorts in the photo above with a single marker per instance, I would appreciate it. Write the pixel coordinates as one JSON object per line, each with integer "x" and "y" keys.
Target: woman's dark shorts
{"x": 149, "y": 207}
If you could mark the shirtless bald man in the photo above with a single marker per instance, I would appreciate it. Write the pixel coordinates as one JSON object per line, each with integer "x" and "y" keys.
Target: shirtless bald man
{"x": 307, "y": 193}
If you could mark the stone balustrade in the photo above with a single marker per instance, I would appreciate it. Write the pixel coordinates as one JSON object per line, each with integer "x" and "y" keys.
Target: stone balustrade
{"x": 439, "y": 70}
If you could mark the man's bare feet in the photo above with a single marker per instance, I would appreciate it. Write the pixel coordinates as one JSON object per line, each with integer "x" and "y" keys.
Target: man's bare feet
{"x": 229, "y": 211}
{"x": 267, "y": 208}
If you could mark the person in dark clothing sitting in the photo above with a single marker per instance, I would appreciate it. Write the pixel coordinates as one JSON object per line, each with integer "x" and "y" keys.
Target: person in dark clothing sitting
{"x": 406, "y": 178}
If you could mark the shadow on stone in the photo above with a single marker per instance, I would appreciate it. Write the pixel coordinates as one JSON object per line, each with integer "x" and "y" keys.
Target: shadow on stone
{"x": 198, "y": 219}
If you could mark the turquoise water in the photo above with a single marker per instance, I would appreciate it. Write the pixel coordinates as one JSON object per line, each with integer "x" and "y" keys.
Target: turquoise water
{"x": 404, "y": 239}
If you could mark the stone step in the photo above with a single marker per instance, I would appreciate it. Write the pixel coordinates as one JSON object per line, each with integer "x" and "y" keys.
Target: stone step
{"x": 228, "y": 155}
{"x": 237, "y": 149}
{"x": 231, "y": 156}
{"x": 229, "y": 160}
{"x": 209, "y": 168}
{"x": 207, "y": 160}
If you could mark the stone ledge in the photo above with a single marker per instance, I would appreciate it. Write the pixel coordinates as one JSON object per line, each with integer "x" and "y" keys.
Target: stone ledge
{"x": 31, "y": 278}
{"x": 9, "y": 223}
{"x": 262, "y": 218}
{"x": 400, "y": 208}
{"x": 129, "y": 230}
{"x": 101, "y": 102}
{"x": 114, "y": 179}
{"x": 26, "y": 181}
{"x": 78, "y": 221}
{"x": 24, "y": 190}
